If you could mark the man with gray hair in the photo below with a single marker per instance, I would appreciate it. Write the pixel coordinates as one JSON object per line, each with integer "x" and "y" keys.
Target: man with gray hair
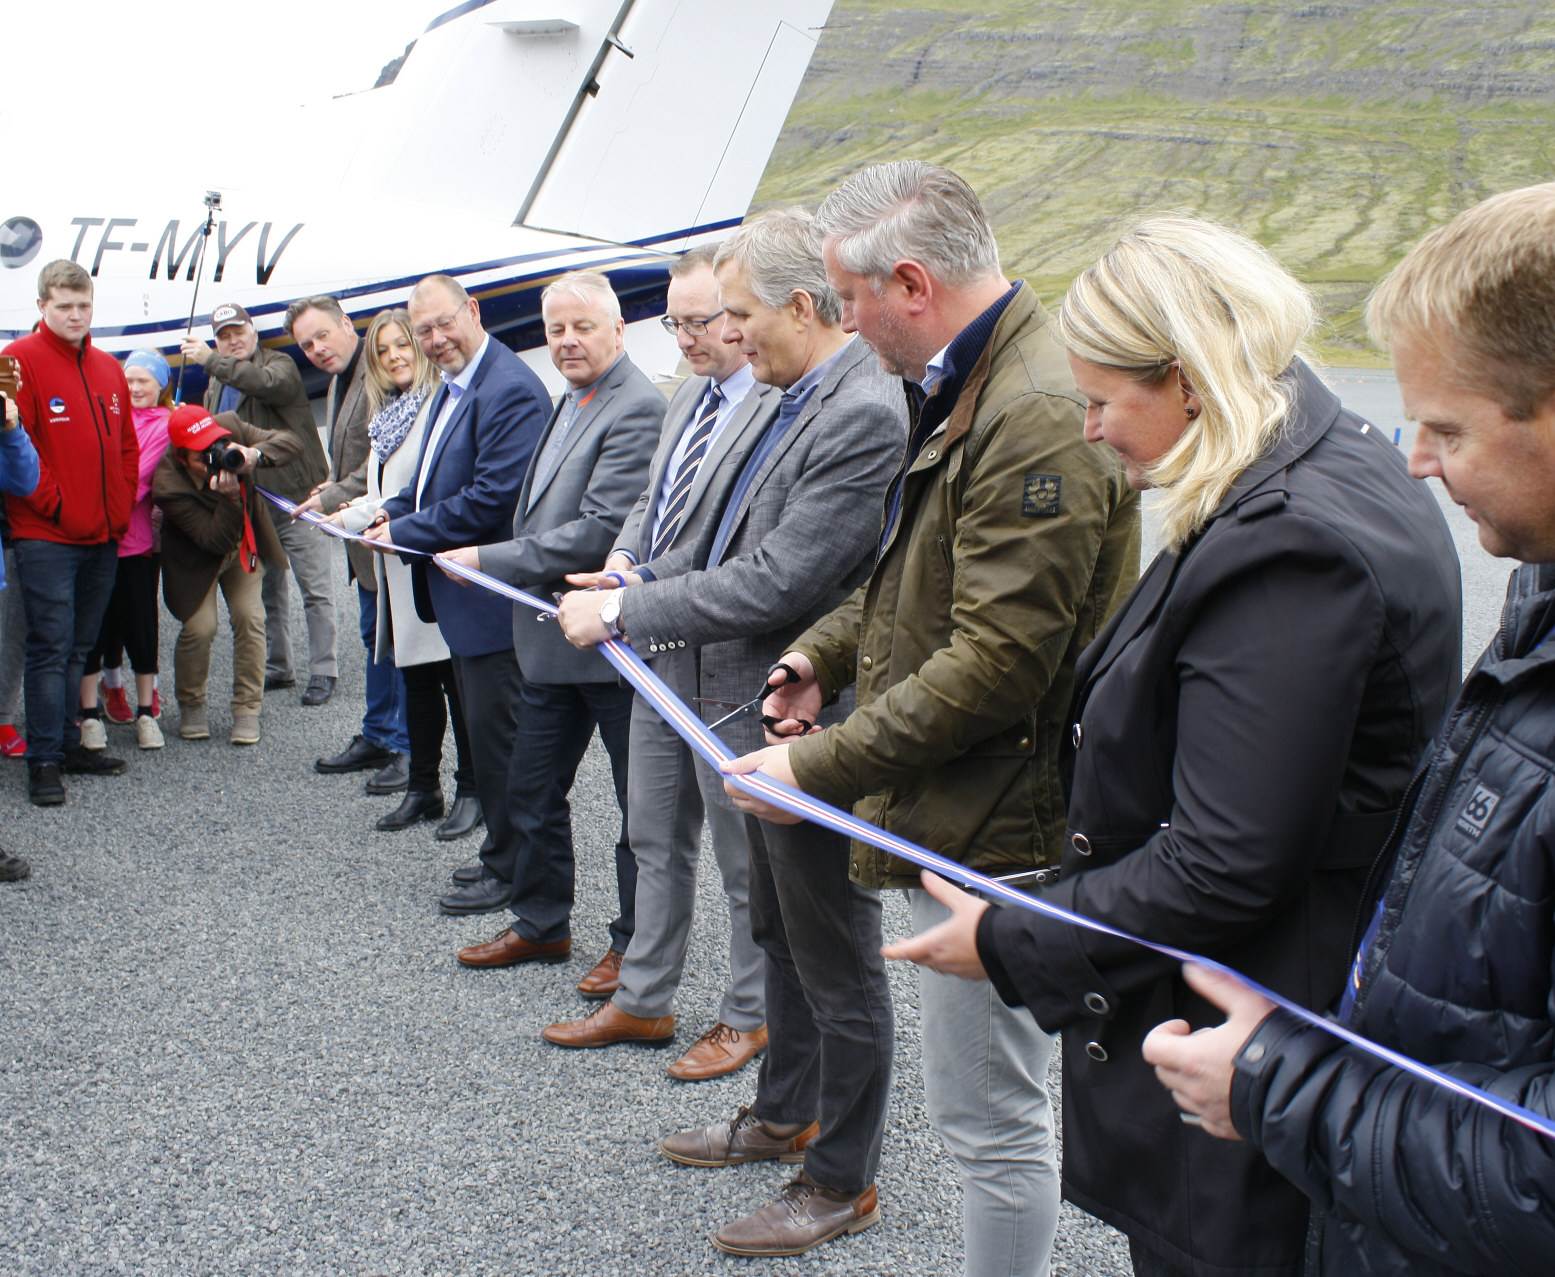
{"x": 589, "y": 466}
{"x": 794, "y": 530}
{"x": 1006, "y": 544}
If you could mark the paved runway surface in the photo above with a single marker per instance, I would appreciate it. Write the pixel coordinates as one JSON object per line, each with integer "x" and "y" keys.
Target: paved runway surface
{"x": 233, "y": 1038}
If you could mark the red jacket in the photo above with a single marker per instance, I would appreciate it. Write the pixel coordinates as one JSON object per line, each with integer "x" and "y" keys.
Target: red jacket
{"x": 76, "y": 407}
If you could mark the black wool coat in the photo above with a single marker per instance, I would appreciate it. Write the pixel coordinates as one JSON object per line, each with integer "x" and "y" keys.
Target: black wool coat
{"x": 1243, "y": 732}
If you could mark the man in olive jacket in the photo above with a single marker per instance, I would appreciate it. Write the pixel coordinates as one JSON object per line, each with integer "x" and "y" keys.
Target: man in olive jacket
{"x": 216, "y": 532}
{"x": 265, "y": 389}
{"x": 1007, "y": 542}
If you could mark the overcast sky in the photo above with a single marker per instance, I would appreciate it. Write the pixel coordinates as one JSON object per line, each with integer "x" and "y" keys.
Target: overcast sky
{"x": 103, "y": 62}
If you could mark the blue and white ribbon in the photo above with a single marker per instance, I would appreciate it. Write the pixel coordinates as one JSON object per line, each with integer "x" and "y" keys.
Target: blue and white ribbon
{"x": 689, "y": 727}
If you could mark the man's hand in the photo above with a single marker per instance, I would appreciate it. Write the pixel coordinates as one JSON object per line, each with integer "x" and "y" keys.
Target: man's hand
{"x": 577, "y": 612}
{"x": 618, "y": 562}
{"x": 466, "y": 556}
{"x": 312, "y": 504}
{"x": 605, "y": 580}
{"x": 225, "y": 482}
{"x": 196, "y": 351}
{"x": 792, "y": 701}
{"x": 13, "y": 414}
{"x": 773, "y": 760}
{"x": 949, "y": 947}
{"x": 1197, "y": 1067}
{"x": 377, "y": 536}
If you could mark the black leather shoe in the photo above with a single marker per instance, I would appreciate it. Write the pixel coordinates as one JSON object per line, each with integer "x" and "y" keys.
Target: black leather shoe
{"x": 91, "y": 762}
{"x": 320, "y": 688}
{"x": 392, "y": 778}
{"x": 44, "y": 787}
{"x": 466, "y": 874}
{"x": 487, "y": 895}
{"x": 416, "y": 806}
{"x": 464, "y": 817}
{"x": 360, "y": 755}
{"x": 275, "y": 682}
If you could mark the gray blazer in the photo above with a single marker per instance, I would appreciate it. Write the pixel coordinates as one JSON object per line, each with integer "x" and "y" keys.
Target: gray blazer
{"x": 805, "y": 538}
{"x": 678, "y": 666}
{"x": 569, "y": 523}
{"x": 349, "y": 448}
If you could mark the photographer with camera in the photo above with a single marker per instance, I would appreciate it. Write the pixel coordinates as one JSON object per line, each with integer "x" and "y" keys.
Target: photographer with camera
{"x": 216, "y": 532}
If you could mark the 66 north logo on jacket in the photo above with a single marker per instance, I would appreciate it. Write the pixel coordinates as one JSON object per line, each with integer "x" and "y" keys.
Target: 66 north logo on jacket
{"x": 1477, "y": 811}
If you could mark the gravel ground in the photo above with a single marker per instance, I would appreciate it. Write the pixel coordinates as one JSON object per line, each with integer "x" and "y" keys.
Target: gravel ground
{"x": 234, "y": 1038}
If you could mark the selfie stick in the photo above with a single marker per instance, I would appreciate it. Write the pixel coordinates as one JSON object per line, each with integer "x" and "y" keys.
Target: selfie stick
{"x": 212, "y": 203}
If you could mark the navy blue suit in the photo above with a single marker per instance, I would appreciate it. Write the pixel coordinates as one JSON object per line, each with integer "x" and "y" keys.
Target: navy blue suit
{"x": 470, "y": 495}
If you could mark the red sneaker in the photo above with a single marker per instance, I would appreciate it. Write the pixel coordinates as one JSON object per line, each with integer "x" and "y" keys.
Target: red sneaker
{"x": 116, "y": 705}
{"x": 11, "y": 743}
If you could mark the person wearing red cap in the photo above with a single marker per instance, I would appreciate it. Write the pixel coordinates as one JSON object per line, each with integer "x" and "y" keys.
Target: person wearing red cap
{"x": 216, "y": 532}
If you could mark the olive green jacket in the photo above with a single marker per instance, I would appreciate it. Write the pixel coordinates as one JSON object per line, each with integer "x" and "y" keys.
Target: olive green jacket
{"x": 1015, "y": 543}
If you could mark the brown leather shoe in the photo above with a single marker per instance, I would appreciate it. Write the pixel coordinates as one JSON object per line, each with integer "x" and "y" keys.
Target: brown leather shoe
{"x": 605, "y": 978}
{"x": 803, "y": 1216}
{"x": 746, "y": 1139}
{"x": 719, "y": 1051}
{"x": 508, "y": 949}
{"x": 607, "y": 1024}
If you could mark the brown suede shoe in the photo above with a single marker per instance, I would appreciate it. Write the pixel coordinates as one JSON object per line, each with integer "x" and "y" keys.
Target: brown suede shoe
{"x": 508, "y": 949}
{"x": 607, "y": 1024}
{"x": 719, "y": 1051}
{"x": 746, "y": 1139}
{"x": 803, "y": 1216}
{"x": 605, "y": 978}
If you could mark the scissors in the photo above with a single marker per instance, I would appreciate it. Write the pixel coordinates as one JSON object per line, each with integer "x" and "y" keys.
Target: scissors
{"x": 753, "y": 706}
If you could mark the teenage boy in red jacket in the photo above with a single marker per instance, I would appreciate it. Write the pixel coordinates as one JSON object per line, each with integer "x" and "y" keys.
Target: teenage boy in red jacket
{"x": 76, "y": 407}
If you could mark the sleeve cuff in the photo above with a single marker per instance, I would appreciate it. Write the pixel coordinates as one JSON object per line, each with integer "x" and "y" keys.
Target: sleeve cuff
{"x": 988, "y": 955}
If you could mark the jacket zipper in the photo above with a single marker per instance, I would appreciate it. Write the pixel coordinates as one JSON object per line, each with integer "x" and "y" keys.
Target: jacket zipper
{"x": 100, "y": 429}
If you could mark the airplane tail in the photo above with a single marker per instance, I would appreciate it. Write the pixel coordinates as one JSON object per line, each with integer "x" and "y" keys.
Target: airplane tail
{"x": 598, "y": 118}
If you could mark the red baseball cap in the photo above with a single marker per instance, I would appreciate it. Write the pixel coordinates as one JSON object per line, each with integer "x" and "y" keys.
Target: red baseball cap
{"x": 190, "y": 426}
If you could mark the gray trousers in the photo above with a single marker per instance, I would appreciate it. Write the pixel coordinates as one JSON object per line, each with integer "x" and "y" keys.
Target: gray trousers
{"x": 668, "y": 793}
{"x": 13, "y": 641}
{"x": 313, "y": 564}
{"x": 985, "y": 1078}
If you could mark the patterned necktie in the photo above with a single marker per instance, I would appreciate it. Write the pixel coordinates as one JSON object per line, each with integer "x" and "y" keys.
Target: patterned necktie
{"x": 674, "y": 512}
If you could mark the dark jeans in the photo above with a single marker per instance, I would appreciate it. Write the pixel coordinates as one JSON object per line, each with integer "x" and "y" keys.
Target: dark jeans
{"x": 830, "y": 1028}
{"x": 431, "y": 699}
{"x": 555, "y": 722}
{"x": 65, "y": 589}
{"x": 488, "y": 692}
{"x": 384, "y": 722}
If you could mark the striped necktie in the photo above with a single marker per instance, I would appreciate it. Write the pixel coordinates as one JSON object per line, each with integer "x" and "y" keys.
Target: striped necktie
{"x": 674, "y": 512}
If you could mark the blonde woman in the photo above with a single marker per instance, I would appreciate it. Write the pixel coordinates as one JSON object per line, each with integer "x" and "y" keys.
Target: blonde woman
{"x": 400, "y": 382}
{"x": 1243, "y": 731}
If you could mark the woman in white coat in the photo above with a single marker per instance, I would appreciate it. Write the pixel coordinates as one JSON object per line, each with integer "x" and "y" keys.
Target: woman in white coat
{"x": 400, "y": 385}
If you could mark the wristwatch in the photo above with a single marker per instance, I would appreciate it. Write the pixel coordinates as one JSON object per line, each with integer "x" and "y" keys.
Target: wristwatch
{"x": 610, "y": 613}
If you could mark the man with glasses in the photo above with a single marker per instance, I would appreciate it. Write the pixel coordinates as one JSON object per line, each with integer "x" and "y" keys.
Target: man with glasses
{"x": 714, "y": 420}
{"x": 484, "y": 424}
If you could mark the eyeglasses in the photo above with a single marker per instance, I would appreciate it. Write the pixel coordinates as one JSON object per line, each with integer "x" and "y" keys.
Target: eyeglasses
{"x": 692, "y": 327}
{"x": 446, "y": 324}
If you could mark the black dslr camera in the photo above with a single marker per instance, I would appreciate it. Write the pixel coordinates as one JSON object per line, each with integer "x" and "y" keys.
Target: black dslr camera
{"x": 223, "y": 455}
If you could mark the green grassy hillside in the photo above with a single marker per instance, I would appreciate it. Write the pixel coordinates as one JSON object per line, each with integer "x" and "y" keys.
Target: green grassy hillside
{"x": 1334, "y": 133}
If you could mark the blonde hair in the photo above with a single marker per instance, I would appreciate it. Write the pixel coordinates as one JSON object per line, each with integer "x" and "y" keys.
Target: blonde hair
{"x": 1190, "y": 294}
{"x": 380, "y": 388}
{"x": 1483, "y": 286}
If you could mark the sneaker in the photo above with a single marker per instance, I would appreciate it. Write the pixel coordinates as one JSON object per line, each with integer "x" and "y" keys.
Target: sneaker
{"x": 13, "y": 868}
{"x": 94, "y": 735}
{"x": 193, "y": 723}
{"x": 116, "y": 705}
{"x": 44, "y": 786}
{"x": 91, "y": 762}
{"x": 12, "y": 744}
{"x": 147, "y": 734}
{"x": 245, "y": 729}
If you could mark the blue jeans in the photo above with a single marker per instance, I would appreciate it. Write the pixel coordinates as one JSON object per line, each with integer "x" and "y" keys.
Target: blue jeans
{"x": 555, "y": 722}
{"x": 65, "y": 589}
{"x": 384, "y": 722}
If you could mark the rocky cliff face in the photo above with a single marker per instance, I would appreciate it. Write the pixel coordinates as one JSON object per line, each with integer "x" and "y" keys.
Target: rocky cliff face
{"x": 1335, "y": 133}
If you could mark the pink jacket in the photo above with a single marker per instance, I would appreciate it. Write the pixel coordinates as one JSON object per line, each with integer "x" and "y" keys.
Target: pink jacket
{"x": 151, "y": 431}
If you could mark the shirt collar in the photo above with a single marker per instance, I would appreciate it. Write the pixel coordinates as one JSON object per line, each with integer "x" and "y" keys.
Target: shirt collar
{"x": 737, "y": 384}
{"x": 818, "y": 374}
{"x": 934, "y": 372}
{"x": 466, "y": 374}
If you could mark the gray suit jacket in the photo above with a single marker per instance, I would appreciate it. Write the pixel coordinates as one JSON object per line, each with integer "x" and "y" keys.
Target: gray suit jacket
{"x": 805, "y": 538}
{"x": 349, "y": 448}
{"x": 570, "y": 522}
